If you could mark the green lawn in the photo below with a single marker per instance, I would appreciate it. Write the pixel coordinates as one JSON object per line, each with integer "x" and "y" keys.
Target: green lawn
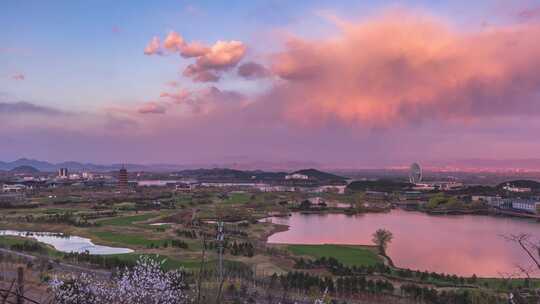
{"x": 349, "y": 255}
{"x": 237, "y": 198}
{"x": 126, "y": 239}
{"x": 127, "y": 220}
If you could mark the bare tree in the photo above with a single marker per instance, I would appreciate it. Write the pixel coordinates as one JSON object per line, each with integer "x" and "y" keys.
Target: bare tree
{"x": 530, "y": 247}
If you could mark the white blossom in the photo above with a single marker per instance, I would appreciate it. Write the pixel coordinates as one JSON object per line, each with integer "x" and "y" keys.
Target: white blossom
{"x": 146, "y": 283}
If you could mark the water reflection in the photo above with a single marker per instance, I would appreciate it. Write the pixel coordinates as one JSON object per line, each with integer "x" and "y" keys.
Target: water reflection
{"x": 462, "y": 245}
{"x": 66, "y": 243}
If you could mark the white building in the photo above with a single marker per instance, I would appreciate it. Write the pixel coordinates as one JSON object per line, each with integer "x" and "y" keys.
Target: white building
{"x": 13, "y": 188}
{"x": 511, "y": 188}
{"x": 296, "y": 176}
{"x": 526, "y": 205}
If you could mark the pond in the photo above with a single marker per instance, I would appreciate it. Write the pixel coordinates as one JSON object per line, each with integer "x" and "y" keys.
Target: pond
{"x": 65, "y": 243}
{"x": 456, "y": 244}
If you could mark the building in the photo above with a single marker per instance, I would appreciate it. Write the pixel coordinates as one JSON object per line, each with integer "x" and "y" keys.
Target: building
{"x": 297, "y": 176}
{"x": 12, "y": 188}
{"x": 526, "y": 205}
{"x": 512, "y": 188}
{"x": 376, "y": 196}
{"x": 440, "y": 186}
{"x": 122, "y": 179}
{"x": 517, "y": 204}
{"x": 63, "y": 173}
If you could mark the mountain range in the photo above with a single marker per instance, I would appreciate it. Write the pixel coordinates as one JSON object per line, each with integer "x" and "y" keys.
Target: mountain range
{"x": 45, "y": 166}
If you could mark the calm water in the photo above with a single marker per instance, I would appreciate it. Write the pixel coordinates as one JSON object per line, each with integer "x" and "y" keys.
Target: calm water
{"x": 462, "y": 245}
{"x": 67, "y": 243}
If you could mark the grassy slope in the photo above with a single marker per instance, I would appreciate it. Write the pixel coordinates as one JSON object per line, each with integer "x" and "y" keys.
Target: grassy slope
{"x": 350, "y": 255}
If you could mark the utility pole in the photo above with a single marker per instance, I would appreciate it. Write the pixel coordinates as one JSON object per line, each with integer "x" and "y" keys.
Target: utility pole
{"x": 220, "y": 240}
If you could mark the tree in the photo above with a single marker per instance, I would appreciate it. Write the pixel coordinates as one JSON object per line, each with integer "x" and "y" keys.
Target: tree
{"x": 144, "y": 283}
{"x": 381, "y": 238}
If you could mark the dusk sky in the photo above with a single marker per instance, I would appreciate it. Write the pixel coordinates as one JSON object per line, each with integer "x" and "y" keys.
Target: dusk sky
{"x": 342, "y": 83}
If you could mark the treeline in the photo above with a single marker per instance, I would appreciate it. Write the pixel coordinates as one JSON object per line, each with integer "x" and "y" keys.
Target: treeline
{"x": 67, "y": 217}
{"x": 190, "y": 234}
{"x": 338, "y": 269}
{"x": 167, "y": 243}
{"x": 245, "y": 249}
{"x": 430, "y": 295}
{"x": 352, "y": 286}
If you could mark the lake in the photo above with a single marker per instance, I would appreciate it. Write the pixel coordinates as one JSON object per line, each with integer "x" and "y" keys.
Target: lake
{"x": 67, "y": 243}
{"x": 457, "y": 244}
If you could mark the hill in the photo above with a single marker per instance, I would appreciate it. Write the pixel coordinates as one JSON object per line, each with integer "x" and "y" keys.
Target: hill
{"x": 24, "y": 169}
{"x": 522, "y": 183}
{"x": 383, "y": 185}
{"x": 319, "y": 175}
{"x": 230, "y": 174}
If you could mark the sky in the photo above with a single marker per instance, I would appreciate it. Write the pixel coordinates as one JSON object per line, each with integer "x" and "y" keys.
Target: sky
{"x": 342, "y": 83}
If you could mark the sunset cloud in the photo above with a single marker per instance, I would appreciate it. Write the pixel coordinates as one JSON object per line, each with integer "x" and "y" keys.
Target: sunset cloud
{"x": 177, "y": 97}
{"x": 23, "y": 107}
{"x": 153, "y": 47}
{"x": 253, "y": 70}
{"x": 152, "y": 108}
{"x": 18, "y": 76}
{"x": 404, "y": 67}
{"x": 530, "y": 13}
{"x": 210, "y": 61}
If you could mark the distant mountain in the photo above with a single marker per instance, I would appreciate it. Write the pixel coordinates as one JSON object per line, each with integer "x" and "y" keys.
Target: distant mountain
{"x": 78, "y": 166}
{"x": 230, "y": 174}
{"x": 384, "y": 185}
{"x": 24, "y": 169}
{"x": 319, "y": 175}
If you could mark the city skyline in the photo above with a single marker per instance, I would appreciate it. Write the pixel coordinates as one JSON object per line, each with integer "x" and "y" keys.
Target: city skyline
{"x": 374, "y": 84}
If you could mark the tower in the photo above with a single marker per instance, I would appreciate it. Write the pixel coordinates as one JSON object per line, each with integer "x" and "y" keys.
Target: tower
{"x": 123, "y": 179}
{"x": 63, "y": 173}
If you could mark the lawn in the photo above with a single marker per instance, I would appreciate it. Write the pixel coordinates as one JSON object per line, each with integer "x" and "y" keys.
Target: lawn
{"x": 237, "y": 198}
{"x": 349, "y": 255}
{"x": 127, "y": 220}
{"x": 126, "y": 239}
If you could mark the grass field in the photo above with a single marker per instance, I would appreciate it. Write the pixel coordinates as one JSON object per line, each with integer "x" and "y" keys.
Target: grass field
{"x": 237, "y": 198}
{"x": 127, "y": 220}
{"x": 127, "y": 239}
{"x": 349, "y": 255}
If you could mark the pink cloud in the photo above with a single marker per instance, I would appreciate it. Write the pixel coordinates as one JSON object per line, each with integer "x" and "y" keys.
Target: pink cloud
{"x": 253, "y": 70}
{"x": 153, "y": 47}
{"x": 152, "y": 108}
{"x": 18, "y": 76}
{"x": 403, "y": 67}
{"x": 177, "y": 97}
{"x": 529, "y": 13}
{"x": 194, "y": 49}
{"x": 210, "y": 61}
{"x": 173, "y": 42}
